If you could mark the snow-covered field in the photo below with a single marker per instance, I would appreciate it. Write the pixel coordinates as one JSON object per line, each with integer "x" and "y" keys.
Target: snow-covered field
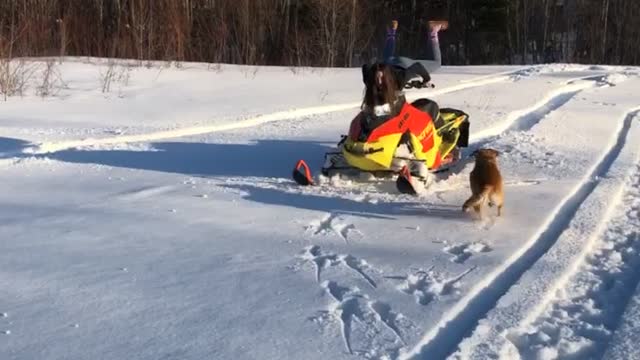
{"x": 159, "y": 221}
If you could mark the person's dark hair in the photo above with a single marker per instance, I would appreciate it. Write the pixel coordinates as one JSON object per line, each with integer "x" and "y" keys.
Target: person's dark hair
{"x": 381, "y": 85}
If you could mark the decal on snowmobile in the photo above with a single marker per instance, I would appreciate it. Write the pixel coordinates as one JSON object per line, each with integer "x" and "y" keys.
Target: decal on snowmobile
{"x": 375, "y": 149}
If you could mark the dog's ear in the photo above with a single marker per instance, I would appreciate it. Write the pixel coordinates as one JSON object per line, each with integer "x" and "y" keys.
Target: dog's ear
{"x": 474, "y": 153}
{"x": 494, "y": 152}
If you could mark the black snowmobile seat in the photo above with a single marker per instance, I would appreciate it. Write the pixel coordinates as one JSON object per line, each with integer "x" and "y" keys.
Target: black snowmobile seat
{"x": 430, "y": 107}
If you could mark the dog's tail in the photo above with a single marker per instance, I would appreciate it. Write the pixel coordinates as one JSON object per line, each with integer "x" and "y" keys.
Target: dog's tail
{"x": 477, "y": 199}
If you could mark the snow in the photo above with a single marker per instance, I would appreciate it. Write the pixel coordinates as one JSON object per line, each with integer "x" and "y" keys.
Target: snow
{"x": 158, "y": 220}
{"x": 625, "y": 340}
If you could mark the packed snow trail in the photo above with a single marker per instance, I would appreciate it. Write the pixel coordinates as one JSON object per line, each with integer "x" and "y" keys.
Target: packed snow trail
{"x": 582, "y": 308}
{"x": 460, "y": 321}
{"x": 523, "y": 304}
{"x": 525, "y": 119}
{"x": 626, "y": 337}
{"x": 51, "y": 147}
{"x": 601, "y": 194}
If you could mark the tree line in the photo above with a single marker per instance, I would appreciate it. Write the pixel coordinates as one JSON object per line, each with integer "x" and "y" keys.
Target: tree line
{"x": 332, "y": 33}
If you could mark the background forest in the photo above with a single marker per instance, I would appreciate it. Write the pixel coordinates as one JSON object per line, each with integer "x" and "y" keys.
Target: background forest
{"x": 332, "y": 33}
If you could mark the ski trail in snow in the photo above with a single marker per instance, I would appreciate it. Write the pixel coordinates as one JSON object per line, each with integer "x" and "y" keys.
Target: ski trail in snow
{"x": 525, "y": 119}
{"x": 513, "y": 73}
{"x": 626, "y": 337}
{"x": 462, "y": 318}
{"x": 586, "y": 303}
{"x": 55, "y": 146}
{"x": 541, "y": 283}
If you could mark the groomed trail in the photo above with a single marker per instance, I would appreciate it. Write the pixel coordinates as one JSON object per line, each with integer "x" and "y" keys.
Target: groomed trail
{"x": 51, "y": 147}
{"x": 170, "y": 239}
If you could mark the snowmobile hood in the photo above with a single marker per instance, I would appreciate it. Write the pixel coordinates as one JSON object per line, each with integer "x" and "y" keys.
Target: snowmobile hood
{"x": 369, "y": 127}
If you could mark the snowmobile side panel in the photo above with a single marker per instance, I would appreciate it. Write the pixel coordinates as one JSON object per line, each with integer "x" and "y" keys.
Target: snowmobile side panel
{"x": 373, "y": 149}
{"x": 371, "y": 156}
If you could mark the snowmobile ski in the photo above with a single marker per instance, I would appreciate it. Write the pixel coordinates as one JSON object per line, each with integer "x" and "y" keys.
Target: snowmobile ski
{"x": 302, "y": 178}
{"x": 404, "y": 182}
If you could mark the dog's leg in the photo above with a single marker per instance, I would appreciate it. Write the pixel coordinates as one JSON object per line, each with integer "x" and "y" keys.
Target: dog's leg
{"x": 476, "y": 201}
{"x": 496, "y": 199}
{"x": 478, "y": 211}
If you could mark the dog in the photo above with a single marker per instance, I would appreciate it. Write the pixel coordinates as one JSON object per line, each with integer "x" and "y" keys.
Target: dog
{"x": 486, "y": 182}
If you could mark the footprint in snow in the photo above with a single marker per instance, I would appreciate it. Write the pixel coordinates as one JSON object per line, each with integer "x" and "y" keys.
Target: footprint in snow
{"x": 462, "y": 252}
{"x": 323, "y": 260}
{"x": 428, "y": 285}
{"x": 364, "y": 323}
{"x": 330, "y": 224}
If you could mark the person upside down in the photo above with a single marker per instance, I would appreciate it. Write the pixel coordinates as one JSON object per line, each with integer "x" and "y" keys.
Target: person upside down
{"x": 387, "y": 121}
{"x": 414, "y": 67}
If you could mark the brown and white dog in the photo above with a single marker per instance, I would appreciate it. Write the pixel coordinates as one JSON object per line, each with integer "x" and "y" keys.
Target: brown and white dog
{"x": 486, "y": 182}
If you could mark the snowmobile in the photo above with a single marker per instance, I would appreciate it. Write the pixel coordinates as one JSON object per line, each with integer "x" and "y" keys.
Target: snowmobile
{"x": 411, "y": 145}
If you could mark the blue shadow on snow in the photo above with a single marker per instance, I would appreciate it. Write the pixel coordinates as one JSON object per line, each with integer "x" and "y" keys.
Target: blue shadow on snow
{"x": 263, "y": 158}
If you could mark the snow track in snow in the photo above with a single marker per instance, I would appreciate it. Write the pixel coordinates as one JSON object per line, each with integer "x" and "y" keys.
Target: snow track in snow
{"x": 580, "y": 312}
{"x": 55, "y": 146}
{"x": 463, "y": 317}
{"x": 369, "y": 327}
{"x": 539, "y": 285}
{"x": 624, "y": 344}
{"x": 324, "y": 260}
{"x": 329, "y": 223}
{"x": 525, "y": 119}
{"x": 371, "y": 324}
{"x": 428, "y": 285}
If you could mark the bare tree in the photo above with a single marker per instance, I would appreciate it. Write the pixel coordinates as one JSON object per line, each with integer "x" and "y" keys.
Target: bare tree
{"x": 320, "y": 32}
